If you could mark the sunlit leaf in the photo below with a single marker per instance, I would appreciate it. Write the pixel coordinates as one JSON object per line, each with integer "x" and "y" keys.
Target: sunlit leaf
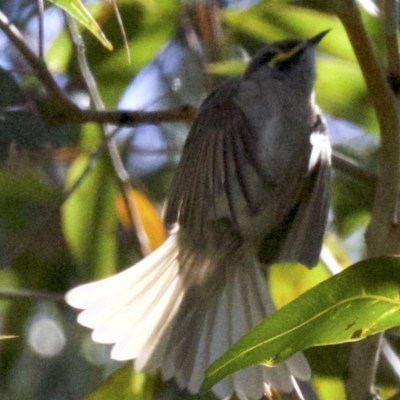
{"x": 79, "y": 12}
{"x": 329, "y": 388}
{"x": 289, "y": 281}
{"x": 362, "y": 300}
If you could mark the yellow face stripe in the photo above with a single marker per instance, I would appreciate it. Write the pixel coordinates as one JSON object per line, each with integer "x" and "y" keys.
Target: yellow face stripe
{"x": 283, "y": 56}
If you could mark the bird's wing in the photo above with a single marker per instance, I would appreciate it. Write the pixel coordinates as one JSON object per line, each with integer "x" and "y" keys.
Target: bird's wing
{"x": 212, "y": 181}
{"x": 303, "y": 241}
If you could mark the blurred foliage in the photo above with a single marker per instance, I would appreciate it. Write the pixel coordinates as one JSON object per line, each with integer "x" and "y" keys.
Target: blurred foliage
{"x": 62, "y": 220}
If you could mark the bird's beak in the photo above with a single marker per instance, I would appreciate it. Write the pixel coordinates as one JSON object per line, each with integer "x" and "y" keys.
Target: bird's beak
{"x": 316, "y": 39}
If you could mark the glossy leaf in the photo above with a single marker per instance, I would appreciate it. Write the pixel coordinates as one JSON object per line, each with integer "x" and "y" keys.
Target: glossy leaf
{"x": 79, "y": 12}
{"x": 361, "y": 301}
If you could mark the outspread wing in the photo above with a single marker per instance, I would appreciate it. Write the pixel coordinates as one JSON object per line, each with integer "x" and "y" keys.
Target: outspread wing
{"x": 210, "y": 182}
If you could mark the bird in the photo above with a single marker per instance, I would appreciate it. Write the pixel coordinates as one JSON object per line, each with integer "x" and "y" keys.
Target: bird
{"x": 251, "y": 190}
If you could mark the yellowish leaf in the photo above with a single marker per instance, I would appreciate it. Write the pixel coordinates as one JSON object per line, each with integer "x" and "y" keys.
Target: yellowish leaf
{"x": 149, "y": 217}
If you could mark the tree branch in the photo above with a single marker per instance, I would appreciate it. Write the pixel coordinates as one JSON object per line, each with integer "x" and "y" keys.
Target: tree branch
{"x": 382, "y": 234}
{"x": 385, "y": 104}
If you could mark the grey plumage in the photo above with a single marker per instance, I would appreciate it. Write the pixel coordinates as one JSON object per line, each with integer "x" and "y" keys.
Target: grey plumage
{"x": 250, "y": 190}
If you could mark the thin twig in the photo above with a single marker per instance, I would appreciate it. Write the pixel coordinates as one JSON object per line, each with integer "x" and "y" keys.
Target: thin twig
{"x": 41, "y": 29}
{"x": 112, "y": 149}
{"x": 18, "y": 294}
{"x": 121, "y": 26}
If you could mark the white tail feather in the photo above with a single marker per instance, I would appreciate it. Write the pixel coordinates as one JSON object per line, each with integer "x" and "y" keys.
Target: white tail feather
{"x": 153, "y": 314}
{"x": 133, "y": 306}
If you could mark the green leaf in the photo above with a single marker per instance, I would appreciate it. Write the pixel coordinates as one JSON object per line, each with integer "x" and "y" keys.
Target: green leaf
{"x": 79, "y": 12}
{"x": 89, "y": 219}
{"x": 361, "y": 301}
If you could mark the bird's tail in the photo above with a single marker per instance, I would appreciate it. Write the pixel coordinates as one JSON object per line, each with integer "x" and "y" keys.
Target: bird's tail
{"x": 156, "y": 313}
